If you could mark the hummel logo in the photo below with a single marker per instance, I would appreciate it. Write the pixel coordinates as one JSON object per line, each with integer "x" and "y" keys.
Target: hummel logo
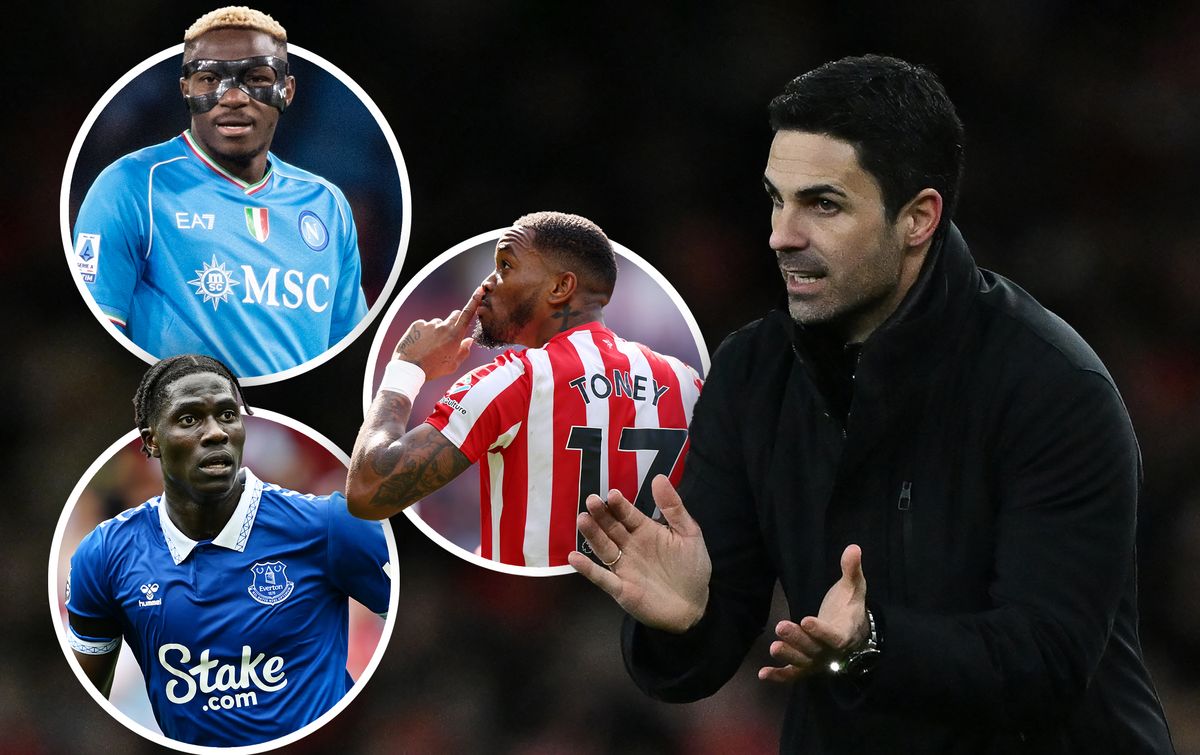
{"x": 149, "y": 591}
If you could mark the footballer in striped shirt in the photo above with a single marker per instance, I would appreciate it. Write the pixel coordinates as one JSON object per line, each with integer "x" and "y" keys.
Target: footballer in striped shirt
{"x": 577, "y": 411}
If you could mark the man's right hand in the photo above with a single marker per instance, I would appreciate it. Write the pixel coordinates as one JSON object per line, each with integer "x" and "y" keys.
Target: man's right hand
{"x": 439, "y": 346}
{"x": 658, "y": 572}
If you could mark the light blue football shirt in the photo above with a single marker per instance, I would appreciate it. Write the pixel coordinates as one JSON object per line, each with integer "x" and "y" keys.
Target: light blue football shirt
{"x": 242, "y": 638}
{"x": 187, "y": 258}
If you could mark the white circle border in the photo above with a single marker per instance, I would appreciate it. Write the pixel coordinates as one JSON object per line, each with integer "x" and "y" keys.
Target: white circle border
{"x": 161, "y": 739}
{"x": 394, "y": 309}
{"x": 388, "y": 286}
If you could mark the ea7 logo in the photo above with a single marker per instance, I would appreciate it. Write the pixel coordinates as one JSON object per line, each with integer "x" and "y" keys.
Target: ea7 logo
{"x": 186, "y": 221}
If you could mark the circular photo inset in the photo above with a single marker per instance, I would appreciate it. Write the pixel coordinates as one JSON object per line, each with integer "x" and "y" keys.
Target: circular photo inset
{"x": 202, "y": 628}
{"x": 595, "y": 393}
{"x": 237, "y": 197}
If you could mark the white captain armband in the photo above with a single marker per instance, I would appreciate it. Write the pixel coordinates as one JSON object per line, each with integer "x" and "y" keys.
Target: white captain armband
{"x": 402, "y": 377}
{"x": 90, "y": 646}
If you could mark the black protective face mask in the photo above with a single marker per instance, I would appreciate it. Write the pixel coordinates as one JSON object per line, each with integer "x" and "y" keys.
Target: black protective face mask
{"x": 262, "y": 77}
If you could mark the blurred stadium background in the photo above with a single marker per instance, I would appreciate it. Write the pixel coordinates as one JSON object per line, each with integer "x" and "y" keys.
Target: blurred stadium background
{"x": 1083, "y": 148}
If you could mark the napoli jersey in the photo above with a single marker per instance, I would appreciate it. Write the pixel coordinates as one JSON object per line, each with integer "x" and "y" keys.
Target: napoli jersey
{"x": 586, "y": 413}
{"x": 242, "y": 638}
{"x": 187, "y": 258}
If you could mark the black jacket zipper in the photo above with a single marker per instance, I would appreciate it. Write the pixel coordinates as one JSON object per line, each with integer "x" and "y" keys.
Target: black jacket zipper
{"x": 909, "y": 556}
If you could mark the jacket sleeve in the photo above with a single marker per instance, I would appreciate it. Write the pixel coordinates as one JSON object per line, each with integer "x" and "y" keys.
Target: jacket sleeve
{"x": 1067, "y": 472}
{"x": 717, "y": 493}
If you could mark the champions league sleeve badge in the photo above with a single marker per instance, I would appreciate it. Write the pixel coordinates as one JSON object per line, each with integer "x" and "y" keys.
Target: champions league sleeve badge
{"x": 270, "y": 585}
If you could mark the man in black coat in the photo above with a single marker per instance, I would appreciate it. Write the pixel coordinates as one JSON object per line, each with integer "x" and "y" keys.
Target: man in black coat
{"x": 915, "y": 431}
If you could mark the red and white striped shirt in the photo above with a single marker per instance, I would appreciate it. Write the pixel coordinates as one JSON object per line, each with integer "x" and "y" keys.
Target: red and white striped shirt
{"x": 586, "y": 413}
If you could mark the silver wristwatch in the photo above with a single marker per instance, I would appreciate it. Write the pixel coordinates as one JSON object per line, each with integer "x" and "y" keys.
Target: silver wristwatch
{"x": 859, "y": 661}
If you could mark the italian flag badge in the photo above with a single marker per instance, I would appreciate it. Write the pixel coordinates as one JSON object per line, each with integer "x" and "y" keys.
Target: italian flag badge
{"x": 258, "y": 223}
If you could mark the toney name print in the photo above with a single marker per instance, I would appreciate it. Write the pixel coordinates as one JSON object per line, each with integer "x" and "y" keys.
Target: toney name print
{"x": 583, "y": 414}
{"x": 636, "y": 387}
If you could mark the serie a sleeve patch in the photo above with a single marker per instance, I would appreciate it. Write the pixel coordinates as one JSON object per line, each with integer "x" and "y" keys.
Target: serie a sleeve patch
{"x": 87, "y": 256}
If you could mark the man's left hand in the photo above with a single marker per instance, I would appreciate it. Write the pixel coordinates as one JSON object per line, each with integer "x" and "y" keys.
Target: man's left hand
{"x": 439, "y": 346}
{"x": 839, "y": 626}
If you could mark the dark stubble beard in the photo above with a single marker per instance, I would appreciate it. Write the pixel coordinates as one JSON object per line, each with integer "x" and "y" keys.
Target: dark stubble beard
{"x": 501, "y": 334}
{"x": 862, "y": 293}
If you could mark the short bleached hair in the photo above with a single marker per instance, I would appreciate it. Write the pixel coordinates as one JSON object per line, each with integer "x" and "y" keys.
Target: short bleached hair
{"x": 235, "y": 17}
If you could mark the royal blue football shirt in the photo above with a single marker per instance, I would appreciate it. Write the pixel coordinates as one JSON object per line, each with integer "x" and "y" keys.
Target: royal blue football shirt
{"x": 242, "y": 638}
{"x": 188, "y": 258}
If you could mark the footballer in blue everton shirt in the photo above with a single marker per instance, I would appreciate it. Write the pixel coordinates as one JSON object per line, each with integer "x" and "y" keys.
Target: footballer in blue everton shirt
{"x": 209, "y": 242}
{"x": 231, "y": 591}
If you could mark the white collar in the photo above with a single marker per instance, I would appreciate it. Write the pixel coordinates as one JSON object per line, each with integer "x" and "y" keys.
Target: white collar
{"x": 233, "y": 535}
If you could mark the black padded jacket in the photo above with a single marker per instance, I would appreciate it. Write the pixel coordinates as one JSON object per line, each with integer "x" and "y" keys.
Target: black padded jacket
{"x": 988, "y": 469}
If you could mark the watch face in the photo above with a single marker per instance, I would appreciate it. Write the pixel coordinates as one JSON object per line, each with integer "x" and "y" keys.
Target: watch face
{"x": 861, "y": 662}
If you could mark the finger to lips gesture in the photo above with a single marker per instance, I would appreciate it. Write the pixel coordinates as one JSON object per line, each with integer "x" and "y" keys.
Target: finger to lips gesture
{"x": 839, "y": 626}
{"x": 440, "y": 345}
{"x": 657, "y": 572}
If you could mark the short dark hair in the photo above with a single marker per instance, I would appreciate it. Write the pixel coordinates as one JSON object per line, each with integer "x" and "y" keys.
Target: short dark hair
{"x": 147, "y": 401}
{"x": 577, "y": 244}
{"x": 896, "y": 115}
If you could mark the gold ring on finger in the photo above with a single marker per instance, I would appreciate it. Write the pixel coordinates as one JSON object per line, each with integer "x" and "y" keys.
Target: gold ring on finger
{"x": 610, "y": 564}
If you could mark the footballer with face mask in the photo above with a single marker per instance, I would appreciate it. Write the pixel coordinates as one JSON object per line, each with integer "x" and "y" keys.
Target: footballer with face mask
{"x": 209, "y": 243}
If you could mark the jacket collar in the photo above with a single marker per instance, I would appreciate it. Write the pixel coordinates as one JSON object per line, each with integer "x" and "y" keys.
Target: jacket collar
{"x": 233, "y": 535}
{"x": 894, "y": 369}
{"x": 943, "y": 292}
{"x": 930, "y": 312}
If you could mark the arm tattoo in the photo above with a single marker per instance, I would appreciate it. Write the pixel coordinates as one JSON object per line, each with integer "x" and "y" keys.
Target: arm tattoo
{"x": 390, "y": 407}
{"x": 398, "y": 467}
{"x": 416, "y": 466}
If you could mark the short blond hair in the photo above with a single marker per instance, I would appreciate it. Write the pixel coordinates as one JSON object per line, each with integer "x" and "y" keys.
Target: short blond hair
{"x": 235, "y": 17}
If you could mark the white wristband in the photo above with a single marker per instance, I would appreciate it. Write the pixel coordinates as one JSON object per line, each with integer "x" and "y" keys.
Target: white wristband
{"x": 402, "y": 377}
